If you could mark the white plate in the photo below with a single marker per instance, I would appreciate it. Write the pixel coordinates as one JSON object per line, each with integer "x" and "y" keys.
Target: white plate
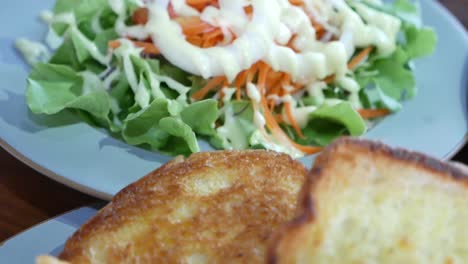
{"x": 89, "y": 160}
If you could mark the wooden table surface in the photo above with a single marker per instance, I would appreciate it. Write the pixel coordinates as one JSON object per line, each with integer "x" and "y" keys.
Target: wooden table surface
{"x": 28, "y": 198}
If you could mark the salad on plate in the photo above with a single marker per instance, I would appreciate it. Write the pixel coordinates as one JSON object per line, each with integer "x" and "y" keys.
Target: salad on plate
{"x": 289, "y": 76}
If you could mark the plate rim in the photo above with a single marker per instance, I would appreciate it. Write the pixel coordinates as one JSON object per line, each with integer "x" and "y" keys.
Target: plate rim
{"x": 52, "y": 175}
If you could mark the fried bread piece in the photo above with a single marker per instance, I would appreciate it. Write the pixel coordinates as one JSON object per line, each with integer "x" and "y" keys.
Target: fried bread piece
{"x": 210, "y": 208}
{"x": 364, "y": 202}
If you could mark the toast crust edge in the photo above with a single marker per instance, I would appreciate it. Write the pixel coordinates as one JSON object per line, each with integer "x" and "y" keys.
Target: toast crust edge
{"x": 178, "y": 165}
{"x": 306, "y": 209}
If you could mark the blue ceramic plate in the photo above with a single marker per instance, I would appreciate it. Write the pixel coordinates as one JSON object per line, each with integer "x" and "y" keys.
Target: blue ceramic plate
{"x": 87, "y": 159}
{"x": 47, "y": 238}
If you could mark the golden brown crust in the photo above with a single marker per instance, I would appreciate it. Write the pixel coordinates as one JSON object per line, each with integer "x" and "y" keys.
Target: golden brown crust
{"x": 264, "y": 183}
{"x": 306, "y": 214}
{"x": 49, "y": 260}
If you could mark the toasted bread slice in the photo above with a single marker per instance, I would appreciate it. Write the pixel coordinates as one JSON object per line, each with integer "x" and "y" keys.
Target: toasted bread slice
{"x": 210, "y": 208}
{"x": 364, "y": 202}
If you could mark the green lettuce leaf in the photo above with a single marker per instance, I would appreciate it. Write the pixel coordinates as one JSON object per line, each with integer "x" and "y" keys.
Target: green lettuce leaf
{"x": 175, "y": 73}
{"x": 83, "y": 10}
{"x": 342, "y": 113}
{"x": 66, "y": 55}
{"x": 322, "y": 133}
{"x": 143, "y": 126}
{"x": 176, "y": 127}
{"x": 238, "y": 127}
{"x": 53, "y": 88}
{"x": 82, "y": 53}
{"x": 201, "y": 116}
{"x": 419, "y": 41}
{"x": 103, "y": 38}
{"x": 330, "y": 122}
{"x": 394, "y": 79}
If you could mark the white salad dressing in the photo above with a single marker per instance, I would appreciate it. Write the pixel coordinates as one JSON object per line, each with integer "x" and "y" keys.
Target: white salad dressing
{"x": 379, "y": 29}
{"x": 228, "y": 94}
{"x": 96, "y": 23}
{"x": 230, "y": 16}
{"x": 32, "y": 51}
{"x": 46, "y": 16}
{"x": 91, "y": 82}
{"x": 142, "y": 95}
{"x": 253, "y": 93}
{"x": 301, "y": 115}
{"x": 231, "y": 133}
{"x": 53, "y": 40}
{"x": 181, "y": 8}
{"x": 315, "y": 90}
{"x": 273, "y": 21}
{"x": 111, "y": 78}
{"x": 90, "y": 46}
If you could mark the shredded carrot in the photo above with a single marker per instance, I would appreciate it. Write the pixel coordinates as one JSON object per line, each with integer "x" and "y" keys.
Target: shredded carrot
{"x": 202, "y": 4}
{"x": 296, "y": 2}
{"x": 114, "y": 44}
{"x": 373, "y": 113}
{"x": 221, "y": 97}
{"x": 278, "y": 132}
{"x": 329, "y": 79}
{"x": 272, "y": 79}
{"x": 191, "y": 26}
{"x": 318, "y": 27}
{"x": 297, "y": 87}
{"x": 271, "y": 105}
{"x": 248, "y": 9}
{"x": 320, "y": 33}
{"x": 276, "y": 89}
{"x": 213, "y": 34}
{"x": 148, "y": 47}
{"x": 195, "y": 40}
{"x": 360, "y": 57}
{"x": 140, "y": 16}
{"x": 213, "y": 83}
{"x": 240, "y": 80}
{"x": 286, "y": 81}
{"x": 221, "y": 93}
{"x": 262, "y": 76}
{"x": 194, "y": 25}
{"x": 291, "y": 42}
{"x": 171, "y": 11}
{"x": 279, "y": 118}
{"x": 211, "y": 42}
{"x": 356, "y": 60}
{"x": 293, "y": 121}
{"x": 251, "y": 73}
{"x": 199, "y": 2}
